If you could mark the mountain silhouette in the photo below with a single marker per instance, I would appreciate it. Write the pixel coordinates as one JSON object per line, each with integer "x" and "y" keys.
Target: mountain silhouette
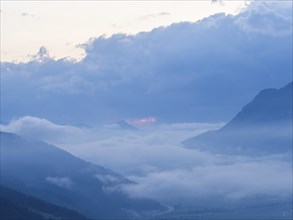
{"x": 125, "y": 125}
{"x": 49, "y": 173}
{"x": 15, "y": 206}
{"x": 264, "y": 126}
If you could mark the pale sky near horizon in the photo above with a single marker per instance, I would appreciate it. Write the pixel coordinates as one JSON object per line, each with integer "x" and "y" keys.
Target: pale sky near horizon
{"x": 62, "y": 26}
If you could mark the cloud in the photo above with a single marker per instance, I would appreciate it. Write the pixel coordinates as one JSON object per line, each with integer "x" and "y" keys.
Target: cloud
{"x": 163, "y": 169}
{"x": 217, "y": 1}
{"x": 24, "y": 14}
{"x": 32, "y": 127}
{"x": 42, "y": 55}
{"x": 136, "y": 152}
{"x": 204, "y": 71}
{"x": 64, "y": 182}
{"x": 142, "y": 121}
{"x": 166, "y": 171}
{"x": 150, "y": 16}
{"x": 259, "y": 17}
{"x": 107, "y": 179}
{"x": 238, "y": 180}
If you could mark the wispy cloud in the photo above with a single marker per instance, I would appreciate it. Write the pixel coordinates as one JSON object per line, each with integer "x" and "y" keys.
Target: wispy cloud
{"x": 64, "y": 182}
{"x": 25, "y": 14}
{"x": 150, "y": 16}
{"x": 142, "y": 121}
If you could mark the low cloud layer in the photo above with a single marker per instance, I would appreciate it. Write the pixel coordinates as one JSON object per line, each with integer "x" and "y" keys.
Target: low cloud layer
{"x": 163, "y": 169}
{"x": 203, "y": 71}
{"x": 233, "y": 181}
{"x": 33, "y": 127}
{"x": 142, "y": 121}
{"x": 60, "y": 181}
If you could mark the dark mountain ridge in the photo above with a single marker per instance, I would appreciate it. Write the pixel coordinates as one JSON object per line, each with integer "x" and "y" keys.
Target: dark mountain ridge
{"x": 126, "y": 126}
{"x": 15, "y": 206}
{"x": 270, "y": 106}
{"x": 264, "y": 126}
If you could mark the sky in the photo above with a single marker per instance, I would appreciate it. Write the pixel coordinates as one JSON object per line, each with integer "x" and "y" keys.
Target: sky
{"x": 203, "y": 71}
{"x": 61, "y": 26}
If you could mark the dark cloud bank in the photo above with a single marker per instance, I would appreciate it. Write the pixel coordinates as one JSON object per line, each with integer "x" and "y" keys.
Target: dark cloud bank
{"x": 203, "y": 71}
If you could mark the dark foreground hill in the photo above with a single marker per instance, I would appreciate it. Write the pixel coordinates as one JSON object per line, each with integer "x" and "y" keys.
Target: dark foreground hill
{"x": 51, "y": 174}
{"x": 264, "y": 126}
{"x": 15, "y": 206}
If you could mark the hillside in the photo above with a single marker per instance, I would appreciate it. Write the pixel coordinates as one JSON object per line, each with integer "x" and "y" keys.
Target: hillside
{"x": 51, "y": 174}
{"x": 16, "y": 205}
{"x": 264, "y": 126}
